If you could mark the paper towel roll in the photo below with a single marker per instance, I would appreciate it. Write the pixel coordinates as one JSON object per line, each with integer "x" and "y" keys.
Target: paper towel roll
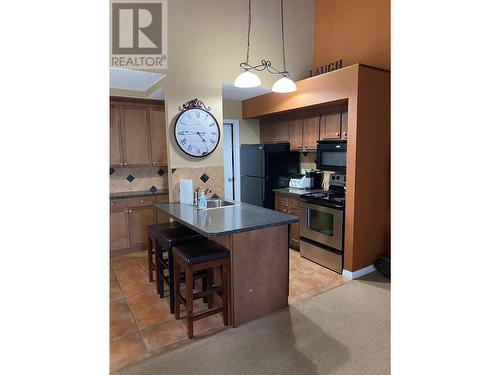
{"x": 186, "y": 191}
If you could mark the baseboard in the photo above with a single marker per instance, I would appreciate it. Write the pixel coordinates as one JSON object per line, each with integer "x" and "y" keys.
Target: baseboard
{"x": 357, "y": 274}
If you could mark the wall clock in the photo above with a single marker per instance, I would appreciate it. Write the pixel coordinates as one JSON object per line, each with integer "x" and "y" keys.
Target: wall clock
{"x": 196, "y": 129}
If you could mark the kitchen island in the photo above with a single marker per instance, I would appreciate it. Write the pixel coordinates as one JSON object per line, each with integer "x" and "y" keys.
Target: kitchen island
{"x": 257, "y": 240}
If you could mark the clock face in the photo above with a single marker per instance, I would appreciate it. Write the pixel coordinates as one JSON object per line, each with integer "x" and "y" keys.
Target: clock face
{"x": 197, "y": 132}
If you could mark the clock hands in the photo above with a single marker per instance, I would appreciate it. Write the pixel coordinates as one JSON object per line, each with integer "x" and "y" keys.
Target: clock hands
{"x": 186, "y": 132}
{"x": 203, "y": 139}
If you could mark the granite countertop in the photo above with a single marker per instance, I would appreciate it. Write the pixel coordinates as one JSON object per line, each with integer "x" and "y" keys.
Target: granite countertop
{"x": 295, "y": 191}
{"x": 228, "y": 220}
{"x": 137, "y": 194}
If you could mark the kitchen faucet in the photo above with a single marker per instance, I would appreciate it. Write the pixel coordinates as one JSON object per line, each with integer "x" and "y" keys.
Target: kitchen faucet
{"x": 199, "y": 192}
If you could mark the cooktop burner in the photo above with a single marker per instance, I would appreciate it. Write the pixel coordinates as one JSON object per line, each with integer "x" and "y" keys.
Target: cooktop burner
{"x": 325, "y": 198}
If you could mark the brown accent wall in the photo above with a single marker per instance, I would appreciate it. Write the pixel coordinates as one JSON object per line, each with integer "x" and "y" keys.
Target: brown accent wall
{"x": 356, "y": 31}
{"x": 366, "y": 90}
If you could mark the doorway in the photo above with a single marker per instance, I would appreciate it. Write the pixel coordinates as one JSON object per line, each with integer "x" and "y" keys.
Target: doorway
{"x": 232, "y": 187}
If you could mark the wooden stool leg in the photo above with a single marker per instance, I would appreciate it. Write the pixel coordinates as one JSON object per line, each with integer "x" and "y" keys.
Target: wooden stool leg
{"x": 160, "y": 282}
{"x": 171, "y": 278}
{"x": 177, "y": 289}
{"x": 204, "y": 283}
{"x": 225, "y": 292}
{"x": 189, "y": 300}
{"x": 150, "y": 259}
{"x": 209, "y": 283}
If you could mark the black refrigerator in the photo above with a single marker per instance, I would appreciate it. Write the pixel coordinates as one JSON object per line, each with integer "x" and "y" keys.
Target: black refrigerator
{"x": 264, "y": 167}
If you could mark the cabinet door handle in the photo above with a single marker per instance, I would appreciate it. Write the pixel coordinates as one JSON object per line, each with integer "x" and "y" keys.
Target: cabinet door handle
{"x": 124, "y": 163}
{"x": 337, "y": 134}
{"x": 154, "y": 163}
{"x": 142, "y": 201}
{"x": 345, "y": 134}
{"x": 121, "y": 163}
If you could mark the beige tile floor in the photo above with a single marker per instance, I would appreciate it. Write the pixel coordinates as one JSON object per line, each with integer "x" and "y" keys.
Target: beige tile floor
{"x": 141, "y": 324}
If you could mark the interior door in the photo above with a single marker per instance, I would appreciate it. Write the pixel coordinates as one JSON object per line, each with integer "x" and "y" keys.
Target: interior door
{"x": 228, "y": 161}
{"x": 252, "y": 190}
{"x": 135, "y": 135}
{"x": 115, "y": 141}
{"x": 158, "y": 136}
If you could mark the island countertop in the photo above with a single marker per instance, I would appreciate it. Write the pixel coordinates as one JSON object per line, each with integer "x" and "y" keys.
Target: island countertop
{"x": 217, "y": 222}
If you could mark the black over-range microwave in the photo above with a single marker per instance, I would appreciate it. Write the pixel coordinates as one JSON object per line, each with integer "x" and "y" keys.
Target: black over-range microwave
{"x": 332, "y": 156}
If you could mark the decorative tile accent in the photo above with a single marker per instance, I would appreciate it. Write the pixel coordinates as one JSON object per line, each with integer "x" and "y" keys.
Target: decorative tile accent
{"x": 215, "y": 196}
{"x": 130, "y": 178}
{"x": 173, "y": 170}
{"x": 204, "y": 177}
{"x": 111, "y": 171}
{"x": 161, "y": 172}
{"x": 307, "y": 161}
{"x": 144, "y": 179}
{"x": 153, "y": 188}
{"x": 214, "y": 179}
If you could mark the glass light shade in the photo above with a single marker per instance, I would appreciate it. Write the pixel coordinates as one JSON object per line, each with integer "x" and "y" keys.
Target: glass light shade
{"x": 247, "y": 79}
{"x": 283, "y": 85}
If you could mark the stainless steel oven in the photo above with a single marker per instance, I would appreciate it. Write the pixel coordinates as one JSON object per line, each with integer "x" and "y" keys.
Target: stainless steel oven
{"x": 322, "y": 224}
{"x": 322, "y": 235}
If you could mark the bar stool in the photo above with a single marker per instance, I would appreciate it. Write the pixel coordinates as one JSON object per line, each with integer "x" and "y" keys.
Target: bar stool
{"x": 195, "y": 257}
{"x": 153, "y": 231}
{"x": 165, "y": 240}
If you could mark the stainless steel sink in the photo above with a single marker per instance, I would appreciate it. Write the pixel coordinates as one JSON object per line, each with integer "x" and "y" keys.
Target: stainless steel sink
{"x": 218, "y": 203}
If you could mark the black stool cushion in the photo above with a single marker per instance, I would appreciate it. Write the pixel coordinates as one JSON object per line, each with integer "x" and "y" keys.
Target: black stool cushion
{"x": 177, "y": 235}
{"x": 154, "y": 229}
{"x": 199, "y": 252}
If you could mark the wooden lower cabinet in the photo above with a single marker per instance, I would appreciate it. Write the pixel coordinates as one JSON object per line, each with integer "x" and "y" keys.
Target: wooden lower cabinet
{"x": 139, "y": 219}
{"x": 129, "y": 220}
{"x": 119, "y": 229}
{"x": 289, "y": 205}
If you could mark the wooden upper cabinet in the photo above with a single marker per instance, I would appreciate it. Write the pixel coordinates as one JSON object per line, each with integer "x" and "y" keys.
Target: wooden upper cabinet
{"x": 115, "y": 139}
{"x": 282, "y": 130}
{"x": 135, "y": 135}
{"x": 344, "y": 125}
{"x": 267, "y": 131}
{"x": 139, "y": 219}
{"x": 158, "y": 136}
{"x": 119, "y": 229}
{"x": 330, "y": 126}
{"x": 310, "y": 132}
{"x": 296, "y": 133}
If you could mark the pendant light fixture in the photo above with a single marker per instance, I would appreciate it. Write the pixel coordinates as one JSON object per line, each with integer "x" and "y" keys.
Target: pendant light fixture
{"x": 247, "y": 78}
{"x": 250, "y": 79}
{"x": 284, "y": 84}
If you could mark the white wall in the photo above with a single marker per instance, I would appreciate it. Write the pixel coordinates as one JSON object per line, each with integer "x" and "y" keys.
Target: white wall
{"x": 207, "y": 42}
{"x": 249, "y": 129}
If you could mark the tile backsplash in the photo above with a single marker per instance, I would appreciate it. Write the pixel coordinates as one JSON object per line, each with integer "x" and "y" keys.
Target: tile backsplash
{"x": 307, "y": 161}
{"x": 137, "y": 179}
{"x": 204, "y": 177}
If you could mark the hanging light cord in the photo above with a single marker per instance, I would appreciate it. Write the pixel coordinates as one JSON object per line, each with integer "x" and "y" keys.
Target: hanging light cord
{"x": 249, "y": 27}
{"x": 264, "y": 64}
{"x": 283, "y": 37}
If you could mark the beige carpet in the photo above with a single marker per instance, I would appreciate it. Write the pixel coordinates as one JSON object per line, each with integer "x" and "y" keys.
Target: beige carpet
{"x": 345, "y": 330}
